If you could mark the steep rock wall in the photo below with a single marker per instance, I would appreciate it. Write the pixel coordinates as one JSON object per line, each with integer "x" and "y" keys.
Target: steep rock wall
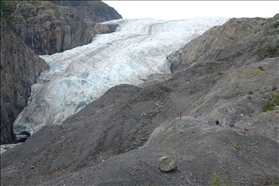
{"x": 20, "y": 67}
{"x": 48, "y": 27}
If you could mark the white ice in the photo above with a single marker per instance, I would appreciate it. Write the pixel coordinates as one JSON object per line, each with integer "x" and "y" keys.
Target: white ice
{"x": 78, "y": 76}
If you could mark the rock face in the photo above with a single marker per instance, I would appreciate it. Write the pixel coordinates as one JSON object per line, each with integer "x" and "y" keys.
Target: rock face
{"x": 50, "y": 27}
{"x": 20, "y": 67}
{"x": 96, "y": 11}
{"x": 239, "y": 41}
{"x": 43, "y": 27}
{"x": 129, "y": 128}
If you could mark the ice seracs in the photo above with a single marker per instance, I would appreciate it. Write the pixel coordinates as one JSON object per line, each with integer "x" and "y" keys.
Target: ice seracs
{"x": 78, "y": 76}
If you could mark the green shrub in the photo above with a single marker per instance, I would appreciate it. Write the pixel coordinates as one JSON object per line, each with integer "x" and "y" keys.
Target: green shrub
{"x": 276, "y": 100}
{"x": 249, "y": 97}
{"x": 268, "y": 106}
{"x": 7, "y": 11}
{"x": 219, "y": 73}
{"x": 215, "y": 181}
{"x": 275, "y": 25}
{"x": 261, "y": 68}
{"x": 251, "y": 92}
{"x": 274, "y": 87}
{"x": 276, "y": 183}
{"x": 236, "y": 146}
{"x": 271, "y": 49}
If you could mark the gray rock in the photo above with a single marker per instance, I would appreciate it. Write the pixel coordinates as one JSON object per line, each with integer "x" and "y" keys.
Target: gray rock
{"x": 50, "y": 27}
{"x": 239, "y": 41}
{"x": 166, "y": 164}
{"x": 20, "y": 67}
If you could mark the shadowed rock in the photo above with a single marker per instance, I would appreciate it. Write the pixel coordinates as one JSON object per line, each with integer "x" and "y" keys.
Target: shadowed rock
{"x": 20, "y": 67}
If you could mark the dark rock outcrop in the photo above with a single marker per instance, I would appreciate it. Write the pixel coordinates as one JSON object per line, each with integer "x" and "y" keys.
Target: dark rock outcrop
{"x": 20, "y": 67}
{"x": 50, "y": 27}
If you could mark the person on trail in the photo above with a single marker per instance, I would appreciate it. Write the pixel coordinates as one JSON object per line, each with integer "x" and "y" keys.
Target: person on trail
{"x": 217, "y": 122}
{"x": 245, "y": 129}
{"x": 231, "y": 125}
{"x": 180, "y": 115}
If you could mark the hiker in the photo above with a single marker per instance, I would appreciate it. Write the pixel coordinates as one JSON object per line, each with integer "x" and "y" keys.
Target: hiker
{"x": 196, "y": 116}
{"x": 231, "y": 125}
{"x": 180, "y": 115}
{"x": 217, "y": 122}
{"x": 245, "y": 129}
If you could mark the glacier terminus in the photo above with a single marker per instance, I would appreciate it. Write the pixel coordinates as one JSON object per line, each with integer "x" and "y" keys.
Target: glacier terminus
{"x": 136, "y": 50}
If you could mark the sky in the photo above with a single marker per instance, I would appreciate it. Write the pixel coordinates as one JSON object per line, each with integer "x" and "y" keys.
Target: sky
{"x": 174, "y": 10}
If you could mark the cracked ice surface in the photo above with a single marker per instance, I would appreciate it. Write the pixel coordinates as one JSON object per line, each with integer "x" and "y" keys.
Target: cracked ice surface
{"x": 79, "y": 76}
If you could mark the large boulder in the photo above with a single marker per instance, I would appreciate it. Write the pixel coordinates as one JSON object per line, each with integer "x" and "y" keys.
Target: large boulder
{"x": 166, "y": 164}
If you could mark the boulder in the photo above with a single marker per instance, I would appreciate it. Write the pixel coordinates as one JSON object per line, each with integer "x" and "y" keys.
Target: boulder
{"x": 166, "y": 164}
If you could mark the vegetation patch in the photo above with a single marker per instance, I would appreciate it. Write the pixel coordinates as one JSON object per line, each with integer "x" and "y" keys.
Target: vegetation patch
{"x": 251, "y": 92}
{"x": 34, "y": 3}
{"x": 270, "y": 105}
{"x": 261, "y": 68}
{"x": 269, "y": 50}
{"x": 236, "y": 146}
{"x": 7, "y": 11}
{"x": 216, "y": 181}
{"x": 275, "y": 25}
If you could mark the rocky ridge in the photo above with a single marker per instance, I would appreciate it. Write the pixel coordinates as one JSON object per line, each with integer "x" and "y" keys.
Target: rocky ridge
{"x": 119, "y": 138}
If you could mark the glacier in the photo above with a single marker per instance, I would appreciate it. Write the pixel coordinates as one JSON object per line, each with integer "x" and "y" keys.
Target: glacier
{"x": 136, "y": 50}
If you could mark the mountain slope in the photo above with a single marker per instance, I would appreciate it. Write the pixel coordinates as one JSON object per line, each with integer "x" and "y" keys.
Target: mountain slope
{"x": 236, "y": 43}
{"x": 118, "y": 138}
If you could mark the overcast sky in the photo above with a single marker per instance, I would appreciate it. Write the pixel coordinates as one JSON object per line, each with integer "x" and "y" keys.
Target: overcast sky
{"x": 173, "y": 10}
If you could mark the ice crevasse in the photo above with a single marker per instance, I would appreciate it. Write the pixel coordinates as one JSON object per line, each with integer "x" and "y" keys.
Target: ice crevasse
{"x": 136, "y": 50}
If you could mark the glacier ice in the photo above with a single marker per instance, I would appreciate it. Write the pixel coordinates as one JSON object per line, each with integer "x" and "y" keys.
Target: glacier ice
{"x": 78, "y": 76}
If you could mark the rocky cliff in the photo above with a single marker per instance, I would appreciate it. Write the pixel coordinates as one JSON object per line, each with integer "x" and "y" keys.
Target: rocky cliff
{"x": 40, "y": 27}
{"x": 95, "y": 11}
{"x": 20, "y": 67}
{"x": 48, "y": 27}
{"x": 119, "y": 138}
